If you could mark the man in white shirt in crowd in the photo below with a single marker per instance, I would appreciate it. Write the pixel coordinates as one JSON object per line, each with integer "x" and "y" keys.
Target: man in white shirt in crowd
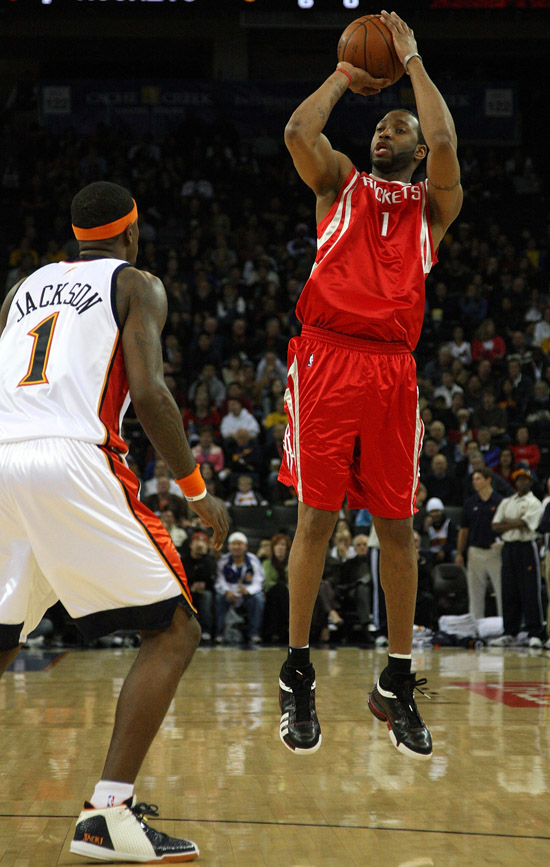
{"x": 239, "y": 586}
{"x": 516, "y": 521}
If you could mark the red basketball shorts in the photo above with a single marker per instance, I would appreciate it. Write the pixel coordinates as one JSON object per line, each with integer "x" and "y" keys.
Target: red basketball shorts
{"x": 354, "y": 425}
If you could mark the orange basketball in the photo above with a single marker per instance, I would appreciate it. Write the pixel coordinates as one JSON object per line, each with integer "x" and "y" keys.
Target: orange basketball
{"x": 368, "y": 43}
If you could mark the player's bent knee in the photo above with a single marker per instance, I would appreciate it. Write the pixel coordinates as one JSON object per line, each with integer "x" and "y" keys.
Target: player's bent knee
{"x": 314, "y": 523}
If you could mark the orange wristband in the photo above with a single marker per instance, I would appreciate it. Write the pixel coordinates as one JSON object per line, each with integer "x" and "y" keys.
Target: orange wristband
{"x": 193, "y": 485}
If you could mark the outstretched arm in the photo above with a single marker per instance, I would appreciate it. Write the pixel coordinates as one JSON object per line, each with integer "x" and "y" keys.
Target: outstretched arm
{"x": 320, "y": 166}
{"x": 438, "y": 127}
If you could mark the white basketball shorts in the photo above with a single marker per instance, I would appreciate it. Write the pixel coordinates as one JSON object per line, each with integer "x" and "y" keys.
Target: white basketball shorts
{"x": 73, "y": 529}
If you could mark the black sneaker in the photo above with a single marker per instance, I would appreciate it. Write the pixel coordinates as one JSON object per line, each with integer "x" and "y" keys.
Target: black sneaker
{"x": 300, "y": 730}
{"x": 408, "y": 731}
{"x": 122, "y": 834}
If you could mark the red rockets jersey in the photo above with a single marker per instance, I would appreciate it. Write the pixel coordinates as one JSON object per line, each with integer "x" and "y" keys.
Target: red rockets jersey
{"x": 374, "y": 250}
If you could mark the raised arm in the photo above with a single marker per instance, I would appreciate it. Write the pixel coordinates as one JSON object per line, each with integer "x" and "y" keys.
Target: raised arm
{"x": 443, "y": 169}
{"x": 142, "y": 306}
{"x": 320, "y": 166}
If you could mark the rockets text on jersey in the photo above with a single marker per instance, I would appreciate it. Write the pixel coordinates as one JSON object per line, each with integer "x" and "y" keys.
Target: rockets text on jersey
{"x": 374, "y": 251}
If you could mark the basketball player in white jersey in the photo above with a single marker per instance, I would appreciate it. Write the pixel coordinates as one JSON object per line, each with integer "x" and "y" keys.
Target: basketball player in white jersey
{"x": 78, "y": 340}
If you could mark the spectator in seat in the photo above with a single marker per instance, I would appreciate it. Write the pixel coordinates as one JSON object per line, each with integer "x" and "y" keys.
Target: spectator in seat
{"x": 538, "y": 409}
{"x": 216, "y": 388}
{"x": 430, "y": 449}
{"x": 177, "y": 534}
{"x": 354, "y": 591}
{"x": 506, "y": 464}
{"x": 439, "y": 434}
{"x": 164, "y": 500}
{"x": 508, "y": 402}
{"x": 207, "y": 450}
{"x": 213, "y": 484}
{"x": 436, "y": 366}
{"x": 201, "y": 570}
{"x": 487, "y": 344}
{"x": 235, "y": 389}
{"x": 268, "y": 370}
{"x": 245, "y": 495}
{"x": 441, "y": 483}
{"x": 243, "y": 455}
{"x": 342, "y": 549}
{"x": 447, "y": 389}
{"x": 488, "y": 449}
{"x": 277, "y": 414}
{"x": 542, "y": 330}
{"x": 276, "y": 590}
{"x": 421, "y": 501}
{"x": 441, "y": 532}
{"x": 525, "y": 452}
{"x": 459, "y": 347}
{"x": 488, "y": 414}
{"x": 239, "y": 585}
{"x": 202, "y": 412}
{"x": 425, "y": 610}
{"x": 238, "y": 418}
{"x": 522, "y": 385}
{"x": 501, "y": 486}
{"x": 158, "y": 468}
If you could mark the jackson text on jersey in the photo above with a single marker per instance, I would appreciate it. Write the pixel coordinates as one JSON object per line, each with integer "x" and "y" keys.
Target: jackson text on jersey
{"x": 62, "y": 373}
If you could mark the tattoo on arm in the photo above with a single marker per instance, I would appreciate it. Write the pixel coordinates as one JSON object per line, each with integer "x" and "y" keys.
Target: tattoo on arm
{"x": 324, "y": 111}
{"x": 445, "y": 189}
{"x": 164, "y": 428}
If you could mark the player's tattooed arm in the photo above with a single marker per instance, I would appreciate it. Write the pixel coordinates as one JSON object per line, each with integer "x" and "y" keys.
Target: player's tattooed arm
{"x": 152, "y": 400}
{"x": 445, "y": 189}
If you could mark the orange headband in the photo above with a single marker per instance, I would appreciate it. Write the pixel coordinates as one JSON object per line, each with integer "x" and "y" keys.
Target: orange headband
{"x": 108, "y": 230}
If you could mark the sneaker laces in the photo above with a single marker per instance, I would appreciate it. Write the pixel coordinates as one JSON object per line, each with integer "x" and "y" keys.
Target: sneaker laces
{"x": 142, "y": 809}
{"x": 303, "y": 696}
{"x": 405, "y": 693}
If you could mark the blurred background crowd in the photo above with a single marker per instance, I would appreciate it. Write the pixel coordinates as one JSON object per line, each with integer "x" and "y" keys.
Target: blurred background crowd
{"x": 228, "y": 226}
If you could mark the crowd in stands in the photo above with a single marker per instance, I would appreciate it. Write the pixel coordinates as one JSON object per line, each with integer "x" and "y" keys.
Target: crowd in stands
{"x": 230, "y": 229}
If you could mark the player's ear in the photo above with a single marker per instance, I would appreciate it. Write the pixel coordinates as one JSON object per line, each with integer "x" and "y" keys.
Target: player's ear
{"x": 420, "y": 152}
{"x": 130, "y": 233}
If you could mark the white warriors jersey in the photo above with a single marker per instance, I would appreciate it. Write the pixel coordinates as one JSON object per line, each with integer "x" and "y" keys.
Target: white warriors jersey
{"x": 62, "y": 371}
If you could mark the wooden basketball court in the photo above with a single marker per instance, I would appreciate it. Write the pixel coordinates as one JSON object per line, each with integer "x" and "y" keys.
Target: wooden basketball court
{"x": 221, "y": 776}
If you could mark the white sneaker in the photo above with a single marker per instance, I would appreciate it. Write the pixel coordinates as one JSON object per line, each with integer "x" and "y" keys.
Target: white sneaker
{"x": 381, "y": 641}
{"x": 122, "y": 834}
{"x": 503, "y": 641}
{"x": 535, "y": 642}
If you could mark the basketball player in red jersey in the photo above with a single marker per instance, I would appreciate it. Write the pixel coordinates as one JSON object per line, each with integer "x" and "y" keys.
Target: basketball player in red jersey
{"x": 77, "y": 340}
{"x": 352, "y": 399}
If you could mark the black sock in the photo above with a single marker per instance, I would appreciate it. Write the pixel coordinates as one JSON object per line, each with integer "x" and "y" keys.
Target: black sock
{"x": 396, "y": 666}
{"x": 298, "y": 657}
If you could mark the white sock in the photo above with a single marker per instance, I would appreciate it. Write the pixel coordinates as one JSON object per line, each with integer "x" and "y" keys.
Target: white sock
{"x": 110, "y": 793}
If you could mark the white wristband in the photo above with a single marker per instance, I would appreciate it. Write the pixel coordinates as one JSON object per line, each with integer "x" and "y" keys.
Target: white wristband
{"x": 198, "y": 497}
{"x": 409, "y": 57}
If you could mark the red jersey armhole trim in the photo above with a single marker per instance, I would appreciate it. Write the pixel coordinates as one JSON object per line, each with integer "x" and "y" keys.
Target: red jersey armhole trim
{"x": 328, "y": 217}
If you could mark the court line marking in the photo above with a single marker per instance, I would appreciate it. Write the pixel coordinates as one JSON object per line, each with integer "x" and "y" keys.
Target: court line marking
{"x": 302, "y": 825}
